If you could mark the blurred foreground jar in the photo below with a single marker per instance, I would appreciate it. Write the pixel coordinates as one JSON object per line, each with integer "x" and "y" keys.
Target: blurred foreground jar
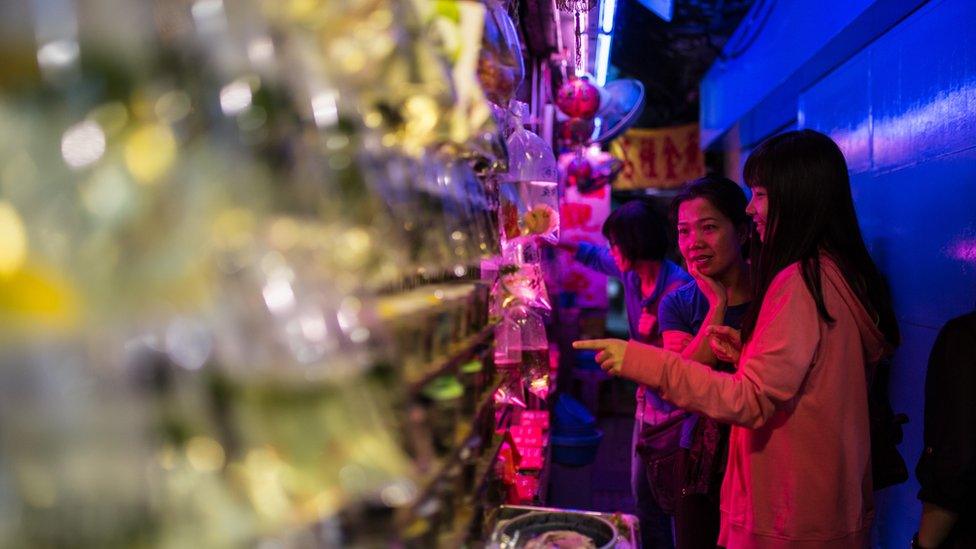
{"x": 74, "y": 449}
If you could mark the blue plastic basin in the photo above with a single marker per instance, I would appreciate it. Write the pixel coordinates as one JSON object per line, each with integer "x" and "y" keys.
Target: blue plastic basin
{"x": 575, "y": 450}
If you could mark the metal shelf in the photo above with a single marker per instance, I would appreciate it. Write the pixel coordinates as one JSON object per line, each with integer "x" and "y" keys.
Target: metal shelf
{"x": 469, "y": 440}
{"x": 462, "y": 526}
{"x": 464, "y": 352}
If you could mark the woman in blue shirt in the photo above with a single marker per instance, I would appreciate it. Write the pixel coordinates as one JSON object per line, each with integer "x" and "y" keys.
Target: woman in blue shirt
{"x": 712, "y": 227}
{"x": 639, "y": 239}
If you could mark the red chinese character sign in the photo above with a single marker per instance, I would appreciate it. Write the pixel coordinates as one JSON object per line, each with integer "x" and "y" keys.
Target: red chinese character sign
{"x": 582, "y": 216}
{"x": 661, "y": 158}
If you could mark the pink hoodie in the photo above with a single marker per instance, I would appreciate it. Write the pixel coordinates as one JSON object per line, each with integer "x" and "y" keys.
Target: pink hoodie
{"x": 799, "y": 471}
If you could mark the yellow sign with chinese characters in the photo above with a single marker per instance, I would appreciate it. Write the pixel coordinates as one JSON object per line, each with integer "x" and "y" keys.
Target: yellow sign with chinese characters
{"x": 660, "y": 158}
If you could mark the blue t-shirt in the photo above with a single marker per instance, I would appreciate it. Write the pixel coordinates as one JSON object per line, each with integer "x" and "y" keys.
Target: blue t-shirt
{"x": 651, "y": 408}
{"x": 684, "y": 310}
{"x": 599, "y": 259}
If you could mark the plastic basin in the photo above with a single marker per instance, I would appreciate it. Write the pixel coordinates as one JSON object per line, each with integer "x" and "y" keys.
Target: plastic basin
{"x": 576, "y": 450}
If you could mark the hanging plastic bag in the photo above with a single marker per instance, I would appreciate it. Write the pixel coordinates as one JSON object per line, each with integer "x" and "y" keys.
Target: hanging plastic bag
{"x": 500, "y": 65}
{"x": 508, "y": 343}
{"x": 519, "y": 286}
{"x": 511, "y": 390}
{"x": 443, "y": 181}
{"x": 535, "y": 368}
{"x": 529, "y": 199}
{"x": 469, "y": 192}
{"x": 535, "y": 351}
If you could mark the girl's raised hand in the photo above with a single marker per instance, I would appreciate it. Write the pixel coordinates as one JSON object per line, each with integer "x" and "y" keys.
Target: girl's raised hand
{"x": 725, "y": 342}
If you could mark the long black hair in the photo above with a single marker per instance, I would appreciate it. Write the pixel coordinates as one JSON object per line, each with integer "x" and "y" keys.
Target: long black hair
{"x": 811, "y": 210}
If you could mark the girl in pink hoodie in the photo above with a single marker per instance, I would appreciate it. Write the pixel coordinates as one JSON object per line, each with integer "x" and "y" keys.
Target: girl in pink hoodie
{"x": 799, "y": 471}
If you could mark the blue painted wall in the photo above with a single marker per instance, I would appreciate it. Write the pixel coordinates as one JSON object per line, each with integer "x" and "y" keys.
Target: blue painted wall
{"x": 756, "y": 61}
{"x": 753, "y": 89}
{"x": 898, "y": 93}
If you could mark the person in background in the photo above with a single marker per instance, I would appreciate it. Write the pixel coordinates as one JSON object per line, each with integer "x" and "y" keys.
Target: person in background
{"x": 946, "y": 470}
{"x": 712, "y": 228}
{"x": 639, "y": 240}
{"x": 799, "y": 465}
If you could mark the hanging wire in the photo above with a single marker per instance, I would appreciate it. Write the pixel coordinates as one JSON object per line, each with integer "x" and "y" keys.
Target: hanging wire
{"x": 579, "y": 42}
{"x": 513, "y": 10}
{"x": 577, "y": 8}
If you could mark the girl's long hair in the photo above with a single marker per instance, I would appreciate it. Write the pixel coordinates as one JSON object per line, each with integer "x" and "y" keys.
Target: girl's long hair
{"x": 811, "y": 210}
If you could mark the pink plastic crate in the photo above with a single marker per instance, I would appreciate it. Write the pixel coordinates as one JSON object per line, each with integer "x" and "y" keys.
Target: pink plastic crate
{"x": 531, "y": 459}
{"x": 535, "y": 418}
{"x": 526, "y": 486}
{"x": 526, "y": 431}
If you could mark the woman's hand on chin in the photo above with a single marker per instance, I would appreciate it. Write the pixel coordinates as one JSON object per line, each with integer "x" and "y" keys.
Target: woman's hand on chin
{"x": 712, "y": 289}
